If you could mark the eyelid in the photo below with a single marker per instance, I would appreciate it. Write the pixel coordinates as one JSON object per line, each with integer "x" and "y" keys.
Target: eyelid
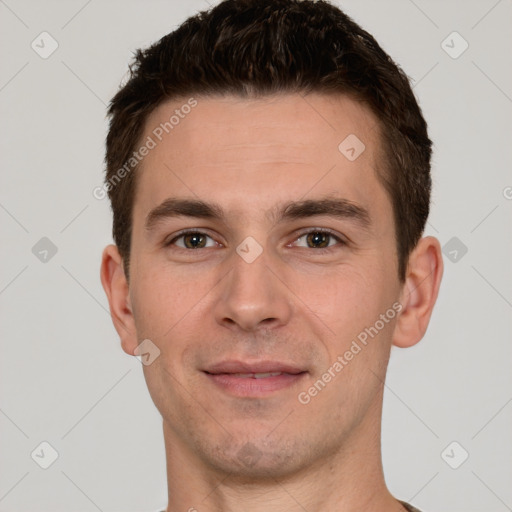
{"x": 334, "y": 234}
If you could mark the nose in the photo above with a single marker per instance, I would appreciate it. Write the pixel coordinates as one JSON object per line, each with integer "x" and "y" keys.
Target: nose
{"x": 253, "y": 295}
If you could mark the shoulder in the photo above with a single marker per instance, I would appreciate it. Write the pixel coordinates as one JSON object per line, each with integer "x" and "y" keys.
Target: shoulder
{"x": 410, "y": 508}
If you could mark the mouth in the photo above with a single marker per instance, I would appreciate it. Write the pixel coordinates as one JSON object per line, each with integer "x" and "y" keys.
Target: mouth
{"x": 265, "y": 375}
{"x": 257, "y": 379}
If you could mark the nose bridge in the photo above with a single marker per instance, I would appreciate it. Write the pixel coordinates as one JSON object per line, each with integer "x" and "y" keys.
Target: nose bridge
{"x": 252, "y": 295}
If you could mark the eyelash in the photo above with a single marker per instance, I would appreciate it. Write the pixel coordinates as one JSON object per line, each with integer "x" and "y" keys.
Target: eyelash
{"x": 323, "y": 231}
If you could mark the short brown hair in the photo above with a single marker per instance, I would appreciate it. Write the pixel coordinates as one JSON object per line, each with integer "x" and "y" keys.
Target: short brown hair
{"x": 253, "y": 48}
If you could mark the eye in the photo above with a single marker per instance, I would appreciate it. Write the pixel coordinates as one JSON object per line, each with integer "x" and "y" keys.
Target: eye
{"x": 314, "y": 239}
{"x": 319, "y": 239}
{"x": 192, "y": 240}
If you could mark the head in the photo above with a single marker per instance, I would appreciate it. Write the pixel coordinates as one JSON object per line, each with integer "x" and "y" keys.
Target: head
{"x": 307, "y": 47}
{"x": 260, "y": 119}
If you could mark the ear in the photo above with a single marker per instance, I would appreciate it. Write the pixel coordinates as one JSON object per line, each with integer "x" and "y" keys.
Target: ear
{"x": 116, "y": 287}
{"x": 419, "y": 292}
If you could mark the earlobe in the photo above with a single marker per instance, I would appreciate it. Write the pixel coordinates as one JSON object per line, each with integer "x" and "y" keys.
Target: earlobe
{"x": 419, "y": 292}
{"x": 116, "y": 287}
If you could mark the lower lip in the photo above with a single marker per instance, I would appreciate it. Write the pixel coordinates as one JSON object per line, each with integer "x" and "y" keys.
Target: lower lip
{"x": 246, "y": 387}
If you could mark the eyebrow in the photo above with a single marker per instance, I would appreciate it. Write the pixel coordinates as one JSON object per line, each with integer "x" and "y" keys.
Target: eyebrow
{"x": 332, "y": 207}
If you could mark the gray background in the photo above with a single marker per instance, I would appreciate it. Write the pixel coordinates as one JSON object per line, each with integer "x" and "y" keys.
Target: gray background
{"x": 64, "y": 378}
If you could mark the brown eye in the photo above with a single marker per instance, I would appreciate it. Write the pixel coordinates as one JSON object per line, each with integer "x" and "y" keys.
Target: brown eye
{"x": 318, "y": 239}
{"x": 192, "y": 240}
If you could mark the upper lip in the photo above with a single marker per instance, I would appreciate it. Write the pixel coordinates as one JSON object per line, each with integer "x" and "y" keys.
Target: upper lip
{"x": 233, "y": 366}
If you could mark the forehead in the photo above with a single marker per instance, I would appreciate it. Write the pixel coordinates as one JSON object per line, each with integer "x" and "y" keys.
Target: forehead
{"x": 279, "y": 121}
{"x": 259, "y": 151}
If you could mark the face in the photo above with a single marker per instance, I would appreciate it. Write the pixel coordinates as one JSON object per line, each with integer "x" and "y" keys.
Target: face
{"x": 270, "y": 292}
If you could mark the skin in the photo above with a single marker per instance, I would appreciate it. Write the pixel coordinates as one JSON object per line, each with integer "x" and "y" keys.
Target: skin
{"x": 294, "y": 303}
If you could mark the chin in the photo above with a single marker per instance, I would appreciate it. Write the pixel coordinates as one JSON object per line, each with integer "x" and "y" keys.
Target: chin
{"x": 256, "y": 459}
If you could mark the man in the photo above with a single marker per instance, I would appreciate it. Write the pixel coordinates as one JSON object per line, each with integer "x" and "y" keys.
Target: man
{"x": 269, "y": 173}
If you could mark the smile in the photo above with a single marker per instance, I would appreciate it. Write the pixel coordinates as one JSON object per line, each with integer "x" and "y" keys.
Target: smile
{"x": 254, "y": 384}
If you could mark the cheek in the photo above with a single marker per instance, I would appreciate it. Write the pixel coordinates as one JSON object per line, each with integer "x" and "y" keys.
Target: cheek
{"x": 345, "y": 296}
{"x": 166, "y": 299}
{"x": 156, "y": 304}
{"x": 350, "y": 304}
